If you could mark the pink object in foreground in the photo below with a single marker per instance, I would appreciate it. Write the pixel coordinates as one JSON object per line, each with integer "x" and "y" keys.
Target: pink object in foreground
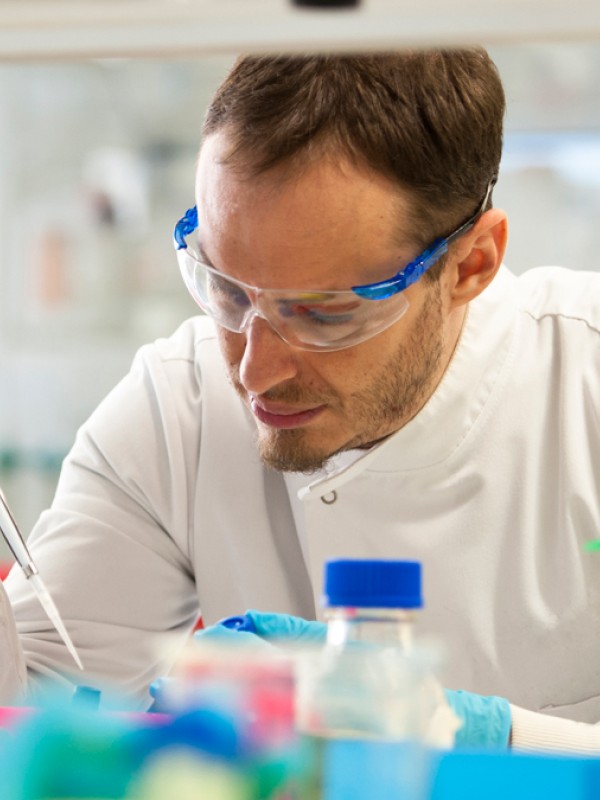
{"x": 11, "y": 714}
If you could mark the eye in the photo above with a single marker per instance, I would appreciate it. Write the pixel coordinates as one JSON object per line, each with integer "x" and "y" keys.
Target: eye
{"x": 330, "y": 313}
{"x": 226, "y": 293}
{"x": 323, "y": 316}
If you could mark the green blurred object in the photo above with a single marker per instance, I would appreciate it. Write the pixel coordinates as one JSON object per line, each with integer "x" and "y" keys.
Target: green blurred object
{"x": 592, "y": 545}
{"x": 43, "y": 460}
{"x": 55, "y": 754}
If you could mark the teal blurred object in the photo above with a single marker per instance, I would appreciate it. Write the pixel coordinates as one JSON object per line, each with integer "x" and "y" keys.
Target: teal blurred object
{"x": 87, "y": 697}
{"x": 355, "y": 770}
{"x": 509, "y": 776}
{"x": 69, "y": 754}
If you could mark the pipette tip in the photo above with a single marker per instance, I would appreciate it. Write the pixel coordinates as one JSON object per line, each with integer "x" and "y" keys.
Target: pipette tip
{"x": 51, "y": 610}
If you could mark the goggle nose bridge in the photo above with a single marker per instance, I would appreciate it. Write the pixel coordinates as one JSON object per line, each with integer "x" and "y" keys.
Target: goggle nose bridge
{"x": 254, "y": 310}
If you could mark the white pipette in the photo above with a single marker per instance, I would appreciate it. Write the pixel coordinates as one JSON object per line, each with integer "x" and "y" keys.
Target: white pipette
{"x": 16, "y": 543}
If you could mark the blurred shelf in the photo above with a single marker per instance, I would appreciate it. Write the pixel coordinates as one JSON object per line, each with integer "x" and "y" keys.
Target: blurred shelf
{"x": 67, "y": 29}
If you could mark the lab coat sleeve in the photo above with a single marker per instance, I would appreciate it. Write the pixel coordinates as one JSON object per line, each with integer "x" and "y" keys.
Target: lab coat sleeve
{"x": 113, "y": 549}
{"x": 13, "y": 676}
{"x": 535, "y": 732}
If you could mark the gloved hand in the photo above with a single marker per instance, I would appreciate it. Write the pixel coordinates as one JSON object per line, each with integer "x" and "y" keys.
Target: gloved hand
{"x": 486, "y": 721}
{"x": 267, "y": 627}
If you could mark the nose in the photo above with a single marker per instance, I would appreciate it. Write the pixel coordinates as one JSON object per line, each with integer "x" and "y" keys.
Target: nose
{"x": 267, "y": 360}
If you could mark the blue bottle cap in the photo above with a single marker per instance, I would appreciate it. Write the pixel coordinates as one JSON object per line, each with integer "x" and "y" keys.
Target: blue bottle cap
{"x": 372, "y": 583}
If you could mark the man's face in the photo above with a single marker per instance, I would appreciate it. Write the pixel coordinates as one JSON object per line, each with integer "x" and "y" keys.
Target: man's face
{"x": 329, "y": 227}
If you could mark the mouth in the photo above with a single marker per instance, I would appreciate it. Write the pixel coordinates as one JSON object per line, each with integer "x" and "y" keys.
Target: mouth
{"x": 278, "y": 415}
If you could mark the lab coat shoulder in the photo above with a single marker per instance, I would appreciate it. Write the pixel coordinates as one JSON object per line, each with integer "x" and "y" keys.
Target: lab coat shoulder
{"x": 146, "y": 435}
{"x": 563, "y": 339}
{"x": 562, "y": 294}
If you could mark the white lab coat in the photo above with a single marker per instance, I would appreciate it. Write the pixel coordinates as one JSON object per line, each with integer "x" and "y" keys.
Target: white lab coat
{"x": 163, "y": 508}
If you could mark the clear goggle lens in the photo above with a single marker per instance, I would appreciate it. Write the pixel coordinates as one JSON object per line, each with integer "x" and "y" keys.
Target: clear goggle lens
{"x": 308, "y": 319}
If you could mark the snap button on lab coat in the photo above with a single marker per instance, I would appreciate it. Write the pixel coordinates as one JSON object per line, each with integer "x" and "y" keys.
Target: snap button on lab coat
{"x": 329, "y": 498}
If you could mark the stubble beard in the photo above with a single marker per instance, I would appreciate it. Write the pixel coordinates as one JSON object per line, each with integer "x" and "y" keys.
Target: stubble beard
{"x": 394, "y": 396}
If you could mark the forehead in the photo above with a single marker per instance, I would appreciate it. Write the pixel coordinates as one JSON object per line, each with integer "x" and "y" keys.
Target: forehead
{"x": 329, "y": 215}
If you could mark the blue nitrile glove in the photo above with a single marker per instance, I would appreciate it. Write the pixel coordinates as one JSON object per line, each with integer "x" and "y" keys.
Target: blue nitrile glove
{"x": 486, "y": 721}
{"x": 265, "y": 627}
{"x": 285, "y": 627}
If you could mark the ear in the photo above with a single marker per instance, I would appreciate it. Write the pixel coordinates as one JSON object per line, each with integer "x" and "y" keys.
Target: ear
{"x": 478, "y": 256}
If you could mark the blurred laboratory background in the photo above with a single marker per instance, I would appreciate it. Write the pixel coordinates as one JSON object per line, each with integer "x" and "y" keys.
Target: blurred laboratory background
{"x": 96, "y": 165}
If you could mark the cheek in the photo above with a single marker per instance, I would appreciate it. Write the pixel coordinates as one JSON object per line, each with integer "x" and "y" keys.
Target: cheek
{"x": 345, "y": 370}
{"x": 232, "y": 347}
{"x": 356, "y": 368}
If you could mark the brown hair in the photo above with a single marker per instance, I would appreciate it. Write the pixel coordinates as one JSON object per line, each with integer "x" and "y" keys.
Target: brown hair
{"x": 431, "y": 121}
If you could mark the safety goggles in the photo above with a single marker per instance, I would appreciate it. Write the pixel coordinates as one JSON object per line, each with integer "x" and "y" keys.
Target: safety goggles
{"x": 310, "y": 319}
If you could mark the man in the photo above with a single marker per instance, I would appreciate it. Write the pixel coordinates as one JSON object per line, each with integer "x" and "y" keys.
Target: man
{"x": 373, "y": 382}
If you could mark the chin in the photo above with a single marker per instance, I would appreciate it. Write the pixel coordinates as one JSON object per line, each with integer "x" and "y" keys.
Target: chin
{"x": 288, "y": 451}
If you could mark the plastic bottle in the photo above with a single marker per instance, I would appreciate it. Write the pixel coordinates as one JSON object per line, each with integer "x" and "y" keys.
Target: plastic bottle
{"x": 365, "y": 700}
{"x": 366, "y": 681}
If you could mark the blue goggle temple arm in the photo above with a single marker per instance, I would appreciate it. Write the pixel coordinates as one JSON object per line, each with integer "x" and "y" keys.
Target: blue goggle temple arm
{"x": 407, "y": 276}
{"x": 186, "y": 225}
{"x": 413, "y": 271}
